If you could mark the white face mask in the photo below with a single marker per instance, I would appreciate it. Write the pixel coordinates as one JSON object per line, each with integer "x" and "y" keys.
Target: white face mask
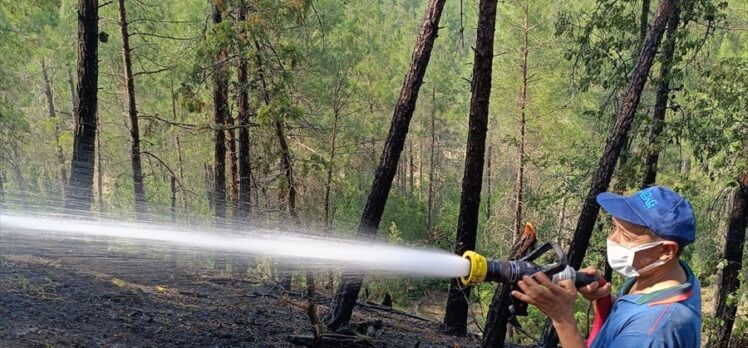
{"x": 621, "y": 258}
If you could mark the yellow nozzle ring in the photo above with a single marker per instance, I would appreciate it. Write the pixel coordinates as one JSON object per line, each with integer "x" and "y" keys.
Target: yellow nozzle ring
{"x": 478, "y": 268}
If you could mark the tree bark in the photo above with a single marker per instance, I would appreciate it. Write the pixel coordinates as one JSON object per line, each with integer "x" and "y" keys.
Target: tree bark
{"x": 141, "y": 209}
{"x": 220, "y": 105}
{"x": 80, "y": 185}
{"x": 729, "y": 277}
{"x": 489, "y": 173}
{"x": 244, "y": 206}
{"x": 456, "y": 314}
{"x": 56, "y": 130}
{"x": 613, "y": 145}
{"x": 663, "y": 89}
{"x": 350, "y": 286}
{"x": 494, "y": 333}
{"x": 518, "y": 198}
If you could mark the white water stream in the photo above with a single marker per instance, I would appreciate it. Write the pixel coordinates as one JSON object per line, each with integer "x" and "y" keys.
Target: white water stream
{"x": 298, "y": 249}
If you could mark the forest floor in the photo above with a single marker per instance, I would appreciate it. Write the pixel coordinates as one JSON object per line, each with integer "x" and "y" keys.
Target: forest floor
{"x": 88, "y": 294}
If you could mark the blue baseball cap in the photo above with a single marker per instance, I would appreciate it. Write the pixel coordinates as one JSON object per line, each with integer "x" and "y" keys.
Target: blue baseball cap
{"x": 664, "y": 212}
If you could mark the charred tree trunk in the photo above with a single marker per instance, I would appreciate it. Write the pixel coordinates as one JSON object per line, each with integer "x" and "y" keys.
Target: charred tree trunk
{"x": 220, "y": 110}
{"x": 347, "y": 293}
{"x": 519, "y": 199}
{"x": 173, "y": 199}
{"x": 494, "y": 333}
{"x": 80, "y": 185}
{"x": 244, "y": 206}
{"x": 663, "y": 90}
{"x": 53, "y": 115}
{"x": 141, "y": 209}
{"x": 729, "y": 278}
{"x": 432, "y": 163}
{"x": 613, "y": 145}
{"x": 456, "y": 314}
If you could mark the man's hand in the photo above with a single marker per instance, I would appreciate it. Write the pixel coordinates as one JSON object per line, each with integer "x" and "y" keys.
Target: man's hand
{"x": 556, "y": 301}
{"x": 593, "y": 291}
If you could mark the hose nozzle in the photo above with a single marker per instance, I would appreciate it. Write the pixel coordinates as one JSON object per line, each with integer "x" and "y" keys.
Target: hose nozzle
{"x": 478, "y": 268}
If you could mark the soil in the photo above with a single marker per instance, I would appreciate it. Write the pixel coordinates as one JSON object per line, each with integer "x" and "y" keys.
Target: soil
{"x": 93, "y": 293}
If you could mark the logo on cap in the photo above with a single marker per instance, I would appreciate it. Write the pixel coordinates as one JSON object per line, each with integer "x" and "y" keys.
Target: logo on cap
{"x": 646, "y": 197}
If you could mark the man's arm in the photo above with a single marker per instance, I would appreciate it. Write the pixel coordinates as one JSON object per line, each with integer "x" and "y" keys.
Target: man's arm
{"x": 557, "y": 302}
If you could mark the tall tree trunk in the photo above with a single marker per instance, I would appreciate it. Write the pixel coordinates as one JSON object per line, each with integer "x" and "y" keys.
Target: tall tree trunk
{"x": 489, "y": 173}
{"x": 644, "y": 20}
{"x": 178, "y": 143}
{"x": 498, "y": 316}
{"x": 432, "y": 163}
{"x": 729, "y": 277}
{"x": 220, "y": 105}
{"x": 173, "y": 199}
{"x": 71, "y": 87}
{"x": 98, "y": 170}
{"x": 456, "y": 314}
{"x": 350, "y": 286}
{"x": 410, "y": 176}
{"x": 663, "y": 89}
{"x": 244, "y": 207}
{"x": 613, "y": 145}
{"x": 141, "y": 209}
{"x": 624, "y": 172}
{"x": 518, "y": 198}
{"x": 80, "y": 185}
{"x": 233, "y": 172}
{"x": 56, "y": 131}
{"x": 331, "y": 166}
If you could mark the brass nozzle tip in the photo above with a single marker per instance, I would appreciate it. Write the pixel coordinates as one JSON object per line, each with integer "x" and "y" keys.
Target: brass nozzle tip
{"x": 478, "y": 268}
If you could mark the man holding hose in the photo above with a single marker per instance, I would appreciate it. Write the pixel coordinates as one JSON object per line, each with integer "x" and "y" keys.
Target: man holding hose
{"x": 659, "y": 304}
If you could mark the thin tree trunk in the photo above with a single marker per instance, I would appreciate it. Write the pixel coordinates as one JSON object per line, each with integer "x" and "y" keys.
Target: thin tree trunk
{"x": 411, "y": 176}
{"x": 173, "y": 199}
{"x": 350, "y": 286}
{"x": 84, "y": 141}
{"x": 98, "y": 169}
{"x": 233, "y": 172}
{"x": 244, "y": 207}
{"x": 663, "y": 89}
{"x": 489, "y": 189}
{"x": 613, "y": 145}
{"x": 456, "y": 314}
{"x": 56, "y": 132}
{"x": 220, "y": 104}
{"x": 644, "y": 21}
{"x": 141, "y": 209}
{"x": 71, "y": 87}
{"x": 177, "y": 142}
{"x": 518, "y": 198}
{"x": 624, "y": 173}
{"x": 498, "y": 316}
{"x": 430, "y": 215}
{"x": 330, "y": 167}
{"x": 729, "y": 277}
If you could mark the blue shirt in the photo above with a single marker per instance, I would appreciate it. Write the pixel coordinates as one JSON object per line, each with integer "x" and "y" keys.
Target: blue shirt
{"x": 665, "y": 318}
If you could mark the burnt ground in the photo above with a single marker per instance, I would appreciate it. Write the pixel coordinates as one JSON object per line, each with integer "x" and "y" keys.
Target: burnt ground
{"x": 87, "y": 293}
